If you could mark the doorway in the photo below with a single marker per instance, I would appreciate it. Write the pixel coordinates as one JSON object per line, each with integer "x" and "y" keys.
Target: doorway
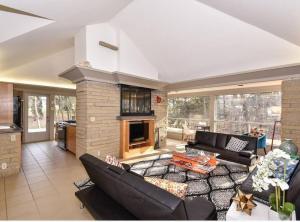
{"x": 36, "y": 118}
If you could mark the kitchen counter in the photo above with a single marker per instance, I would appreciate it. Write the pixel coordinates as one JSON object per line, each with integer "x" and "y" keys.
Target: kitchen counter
{"x": 6, "y": 128}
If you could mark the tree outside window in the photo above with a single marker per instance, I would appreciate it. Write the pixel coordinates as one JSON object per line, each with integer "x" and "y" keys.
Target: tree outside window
{"x": 239, "y": 113}
{"x": 65, "y": 108}
{"x": 191, "y": 110}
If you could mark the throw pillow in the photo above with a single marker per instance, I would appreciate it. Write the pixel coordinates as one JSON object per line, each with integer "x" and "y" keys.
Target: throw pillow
{"x": 178, "y": 189}
{"x": 236, "y": 144}
{"x": 112, "y": 160}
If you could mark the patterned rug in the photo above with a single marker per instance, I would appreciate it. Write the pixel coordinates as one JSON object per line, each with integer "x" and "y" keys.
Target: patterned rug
{"x": 219, "y": 186}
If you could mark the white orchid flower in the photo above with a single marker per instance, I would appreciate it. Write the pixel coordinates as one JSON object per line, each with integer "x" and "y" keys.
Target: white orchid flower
{"x": 266, "y": 169}
{"x": 283, "y": 185}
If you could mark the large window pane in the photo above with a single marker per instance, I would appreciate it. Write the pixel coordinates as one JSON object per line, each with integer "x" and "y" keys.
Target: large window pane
{"x": 37, "y": 114}
{"x": 241, "y": 112}
{"x": 65, "y": 108}
{"x": 190, "y": 110}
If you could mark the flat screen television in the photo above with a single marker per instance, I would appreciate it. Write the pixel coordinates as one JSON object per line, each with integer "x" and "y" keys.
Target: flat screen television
{"x": 138, "y": 131}
{"x": 135, "y": 101}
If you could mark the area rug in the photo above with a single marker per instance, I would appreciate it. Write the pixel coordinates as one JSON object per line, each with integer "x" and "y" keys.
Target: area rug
{"x": 219, "y": 186}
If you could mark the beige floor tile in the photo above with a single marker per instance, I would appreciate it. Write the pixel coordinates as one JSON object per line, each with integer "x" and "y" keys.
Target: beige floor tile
{"x": 19, "y": 199}
{"x": 2, "y": 193}
{"x": 2, "y": 205}
{"x": 3, "y": 215}
{"x": 45, "y": 184}
{"x": 11, "y": 192}
{"x": 22, "y": 210}
{"x": 44, "y": 193}
{"x": 12, "y": 185}
{"x": 32, "y": 180}
{"x": 44, "y": 188}
{"x": 34, "y": 171}
{"x": 16, "y": 184}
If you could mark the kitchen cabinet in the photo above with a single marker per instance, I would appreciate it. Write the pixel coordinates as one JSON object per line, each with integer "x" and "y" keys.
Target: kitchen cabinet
{"x": 71, "y": 138}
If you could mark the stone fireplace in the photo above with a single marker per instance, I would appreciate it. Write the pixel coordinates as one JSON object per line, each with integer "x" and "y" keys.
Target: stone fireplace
{"x": 101, "y": 130}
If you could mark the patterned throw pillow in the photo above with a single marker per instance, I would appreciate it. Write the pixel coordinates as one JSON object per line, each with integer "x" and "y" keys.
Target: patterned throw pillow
{"x": 178, "y": 189}
{"x": 236, "y": 144}
{"x": 112, "y": 160}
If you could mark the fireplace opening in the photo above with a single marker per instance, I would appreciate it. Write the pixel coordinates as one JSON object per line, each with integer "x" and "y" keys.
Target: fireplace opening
{"x": 138, "y": 131}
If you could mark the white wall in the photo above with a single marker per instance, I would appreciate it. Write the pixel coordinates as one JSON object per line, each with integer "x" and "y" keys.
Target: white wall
{"x": 80, "y": 46}
{"x": 132, "y": 60}
{"x": 99, "y": 56}
{"x": 43, "y": 71}
{"x": 128, "y": 59}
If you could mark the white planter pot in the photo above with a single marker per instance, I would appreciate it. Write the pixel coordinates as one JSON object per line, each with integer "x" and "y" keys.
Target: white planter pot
{"x": 273, "y": 215}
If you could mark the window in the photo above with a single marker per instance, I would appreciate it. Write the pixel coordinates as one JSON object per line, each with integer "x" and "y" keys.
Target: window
{"x": 241, "y": 112}
{"x": 65, "y": 108}
{"x": 191, "y": 110}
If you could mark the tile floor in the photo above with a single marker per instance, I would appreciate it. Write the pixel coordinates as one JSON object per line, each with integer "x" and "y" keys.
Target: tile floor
{"x": 44, "y": 188}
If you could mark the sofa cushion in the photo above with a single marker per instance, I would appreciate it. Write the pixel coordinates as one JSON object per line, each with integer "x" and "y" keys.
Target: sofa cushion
{"x": 133, "y": 193}
{"x": 206, "y": 138}
{"x": 252, "y": 141}
{"x": 226, "y": 154}
{"x": 236, "y": 144}
{"x": 221, "y": 140}
{"x": 206, "y": 148}
{"x": 178, "y": 189}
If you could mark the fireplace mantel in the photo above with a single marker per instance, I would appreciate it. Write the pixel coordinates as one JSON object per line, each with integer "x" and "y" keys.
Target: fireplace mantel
{"x": 132, "y": 118}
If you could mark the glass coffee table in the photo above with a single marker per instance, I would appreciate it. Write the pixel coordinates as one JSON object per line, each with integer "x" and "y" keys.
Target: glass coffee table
{"x": 196, "y": 160}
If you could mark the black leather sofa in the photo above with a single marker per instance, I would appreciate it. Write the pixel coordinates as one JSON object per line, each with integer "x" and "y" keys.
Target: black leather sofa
{"x": 216, "y": 142}
{"x": 121, "y": 195}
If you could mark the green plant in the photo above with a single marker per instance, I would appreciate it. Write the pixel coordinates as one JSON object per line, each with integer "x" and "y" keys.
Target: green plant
{"x": 285, "y": 208}
{"x": 277, "y": 200}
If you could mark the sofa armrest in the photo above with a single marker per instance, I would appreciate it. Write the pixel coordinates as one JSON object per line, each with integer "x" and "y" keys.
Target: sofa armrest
{"x": 199, "y": 208}
{"x": 246, "y": 153}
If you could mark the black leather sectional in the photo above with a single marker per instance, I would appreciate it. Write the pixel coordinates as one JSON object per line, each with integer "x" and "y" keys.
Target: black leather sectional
{"x": 121, "y": 195}
{"x": 216, "y": 143}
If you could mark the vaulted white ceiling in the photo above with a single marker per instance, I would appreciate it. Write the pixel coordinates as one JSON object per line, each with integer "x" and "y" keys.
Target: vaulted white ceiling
{"x": 279, "y": 17}
{"x": 186, "y": 39}
{"x": 182, "y": 39}
{"x": 68, "y": 16}
{"x": 21, "y": 24}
